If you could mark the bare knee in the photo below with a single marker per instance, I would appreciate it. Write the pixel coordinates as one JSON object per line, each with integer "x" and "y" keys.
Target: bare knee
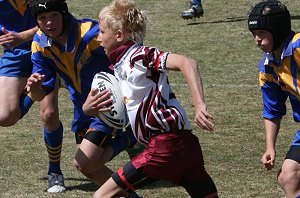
{"x": 50, "y": 118}
{"x": 286, "y": 178}
{"x": 289, "y": 182}
{"x": 9, "y": 118}
{"x": 47, "y": 114}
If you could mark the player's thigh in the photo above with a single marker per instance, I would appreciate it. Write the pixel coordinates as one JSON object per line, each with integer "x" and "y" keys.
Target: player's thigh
{"x": 10, "y": 92}
{"x": 292, "y": 160}
{"x": 90, "y": 155}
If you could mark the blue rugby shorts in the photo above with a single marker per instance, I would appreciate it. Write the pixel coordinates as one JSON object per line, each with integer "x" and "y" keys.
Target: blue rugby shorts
{"x": 16, "y": 62}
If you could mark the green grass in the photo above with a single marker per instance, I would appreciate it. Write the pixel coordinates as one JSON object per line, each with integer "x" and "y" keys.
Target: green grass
{"x": 227, "y": 57}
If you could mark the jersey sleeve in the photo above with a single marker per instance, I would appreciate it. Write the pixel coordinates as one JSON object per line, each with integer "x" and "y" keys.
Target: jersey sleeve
{"x": 42, "y": 65}
{"x": 296, "y": 48}
{"x": 151, "y": 58}
{"x": 273, "y": 97}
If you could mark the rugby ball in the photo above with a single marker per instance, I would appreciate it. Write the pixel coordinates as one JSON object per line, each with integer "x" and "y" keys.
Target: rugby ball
{"x": 117, "y": 117}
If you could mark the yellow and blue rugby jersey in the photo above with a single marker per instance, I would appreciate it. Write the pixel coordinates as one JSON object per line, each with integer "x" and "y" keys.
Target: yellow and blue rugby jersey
{"x": 280, "y": 80}
{"x": 77, "y": 62}
{"x": 15, "y": 16}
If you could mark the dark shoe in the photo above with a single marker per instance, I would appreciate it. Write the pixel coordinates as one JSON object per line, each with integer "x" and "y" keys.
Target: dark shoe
{"x": 56, "y": 183}
{"x": 193, "y": 12}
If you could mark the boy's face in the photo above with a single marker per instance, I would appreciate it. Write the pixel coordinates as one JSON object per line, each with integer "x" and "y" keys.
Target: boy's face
{"x": 107, "y": 38}
{"x": 263, "y": 39}
{"x": 51, "y": 23}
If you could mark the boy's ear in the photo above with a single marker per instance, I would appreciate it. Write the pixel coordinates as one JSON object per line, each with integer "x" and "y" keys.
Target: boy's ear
{"x": 120, "y": 36}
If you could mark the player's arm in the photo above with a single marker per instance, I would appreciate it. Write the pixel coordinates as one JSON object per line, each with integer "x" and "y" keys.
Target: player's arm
{"x": 12, "y": 39}
{"x": 190, "y": 71}
{"x": 272, "y": 127}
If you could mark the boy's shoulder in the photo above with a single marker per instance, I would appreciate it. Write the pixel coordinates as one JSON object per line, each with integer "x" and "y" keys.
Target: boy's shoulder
{"x": 88, "y": 20}
{"x": 296, "y": 37}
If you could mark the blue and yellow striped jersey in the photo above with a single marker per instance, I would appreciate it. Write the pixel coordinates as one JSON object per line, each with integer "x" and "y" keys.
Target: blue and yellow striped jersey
{"x": 280, "y": 80}
{"x": 76, "y": 62}
{"x": 15, "y": 16}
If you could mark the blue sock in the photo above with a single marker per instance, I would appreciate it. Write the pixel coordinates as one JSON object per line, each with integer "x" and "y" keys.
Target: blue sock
{"x": 53, "y": 141}
{"x": 25, "y": 103}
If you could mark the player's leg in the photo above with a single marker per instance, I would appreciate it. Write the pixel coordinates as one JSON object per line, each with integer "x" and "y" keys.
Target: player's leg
{"x": 110, "y": 189}
{"x": 124, "y": 182}
{"x": 15, "y": 67}
{"x": 195, "y": 178}
{"x": 195, "y": 10}
{"x": 53, "y": 137}
{"x": 97, "y": 148}
{"x": 200, "y": 188}
{"x": 289, "y": 175}
{"x": 10, "y": 92}
{"x": 92, "y": 154}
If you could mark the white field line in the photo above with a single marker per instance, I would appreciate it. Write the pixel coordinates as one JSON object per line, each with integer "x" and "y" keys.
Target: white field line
{"x": 220, "y": 85}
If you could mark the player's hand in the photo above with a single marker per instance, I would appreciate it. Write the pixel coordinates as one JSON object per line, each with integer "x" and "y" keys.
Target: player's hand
{"x": 34, "y": 86}
{"x": 34, "y": 82}
{"x": 10, "y": 39}
{"x": 268, "y": 159}
{"x": 97, "y": 102}
{"x": 203, "y": 118}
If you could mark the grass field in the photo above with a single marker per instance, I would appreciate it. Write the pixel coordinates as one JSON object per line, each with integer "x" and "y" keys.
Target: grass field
{"x": 227, "y": 57}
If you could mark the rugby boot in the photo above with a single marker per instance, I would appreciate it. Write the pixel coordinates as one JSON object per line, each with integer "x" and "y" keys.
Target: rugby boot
{"x": 195, "y": 11}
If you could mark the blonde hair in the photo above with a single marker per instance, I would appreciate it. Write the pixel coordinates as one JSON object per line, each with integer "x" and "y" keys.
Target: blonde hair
{"x": 124, "y": 15}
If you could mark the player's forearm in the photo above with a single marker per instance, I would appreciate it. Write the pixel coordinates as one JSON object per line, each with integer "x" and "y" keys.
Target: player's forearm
{"x": 272, "y": 129}
{"x": 28, "y": 34}
{"x": 192, "y": 75}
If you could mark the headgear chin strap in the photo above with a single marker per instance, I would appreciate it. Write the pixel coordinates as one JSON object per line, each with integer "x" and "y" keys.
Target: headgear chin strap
{"x": 273, "y": 16}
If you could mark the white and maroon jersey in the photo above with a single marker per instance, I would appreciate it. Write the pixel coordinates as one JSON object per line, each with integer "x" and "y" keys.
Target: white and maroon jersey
{"x": 151, "y": 104}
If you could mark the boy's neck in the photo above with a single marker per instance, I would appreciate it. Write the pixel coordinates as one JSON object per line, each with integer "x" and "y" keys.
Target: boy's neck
{"x": 277, "y": 53}
{"x": 62, "y": 39}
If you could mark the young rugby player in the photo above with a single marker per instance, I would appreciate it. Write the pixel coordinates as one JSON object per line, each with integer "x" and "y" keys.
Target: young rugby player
{"x": 17, "y": 27}
{"x": 270, "y": 23}
{"x": 68, "y": 46}
{"x": 158, "y": 120}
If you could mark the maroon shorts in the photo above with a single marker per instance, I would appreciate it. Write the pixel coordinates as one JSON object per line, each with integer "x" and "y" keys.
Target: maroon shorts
{"x": 173, "y": 157}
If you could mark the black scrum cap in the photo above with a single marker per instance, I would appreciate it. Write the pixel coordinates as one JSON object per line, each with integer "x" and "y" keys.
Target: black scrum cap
{"x": 39, "y": 6}
{"x": 273, "y": 16}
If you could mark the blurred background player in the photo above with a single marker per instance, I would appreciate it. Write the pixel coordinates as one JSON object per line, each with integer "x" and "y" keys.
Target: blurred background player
{"x": 195, "y": 10}
{"x": 68, "y": 46}
{"x": 270, "y": 23}
{"x": 17, "y": 29}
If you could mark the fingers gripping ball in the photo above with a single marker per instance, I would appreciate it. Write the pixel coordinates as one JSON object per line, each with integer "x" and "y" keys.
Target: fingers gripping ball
{"x": 117, "y": 117}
